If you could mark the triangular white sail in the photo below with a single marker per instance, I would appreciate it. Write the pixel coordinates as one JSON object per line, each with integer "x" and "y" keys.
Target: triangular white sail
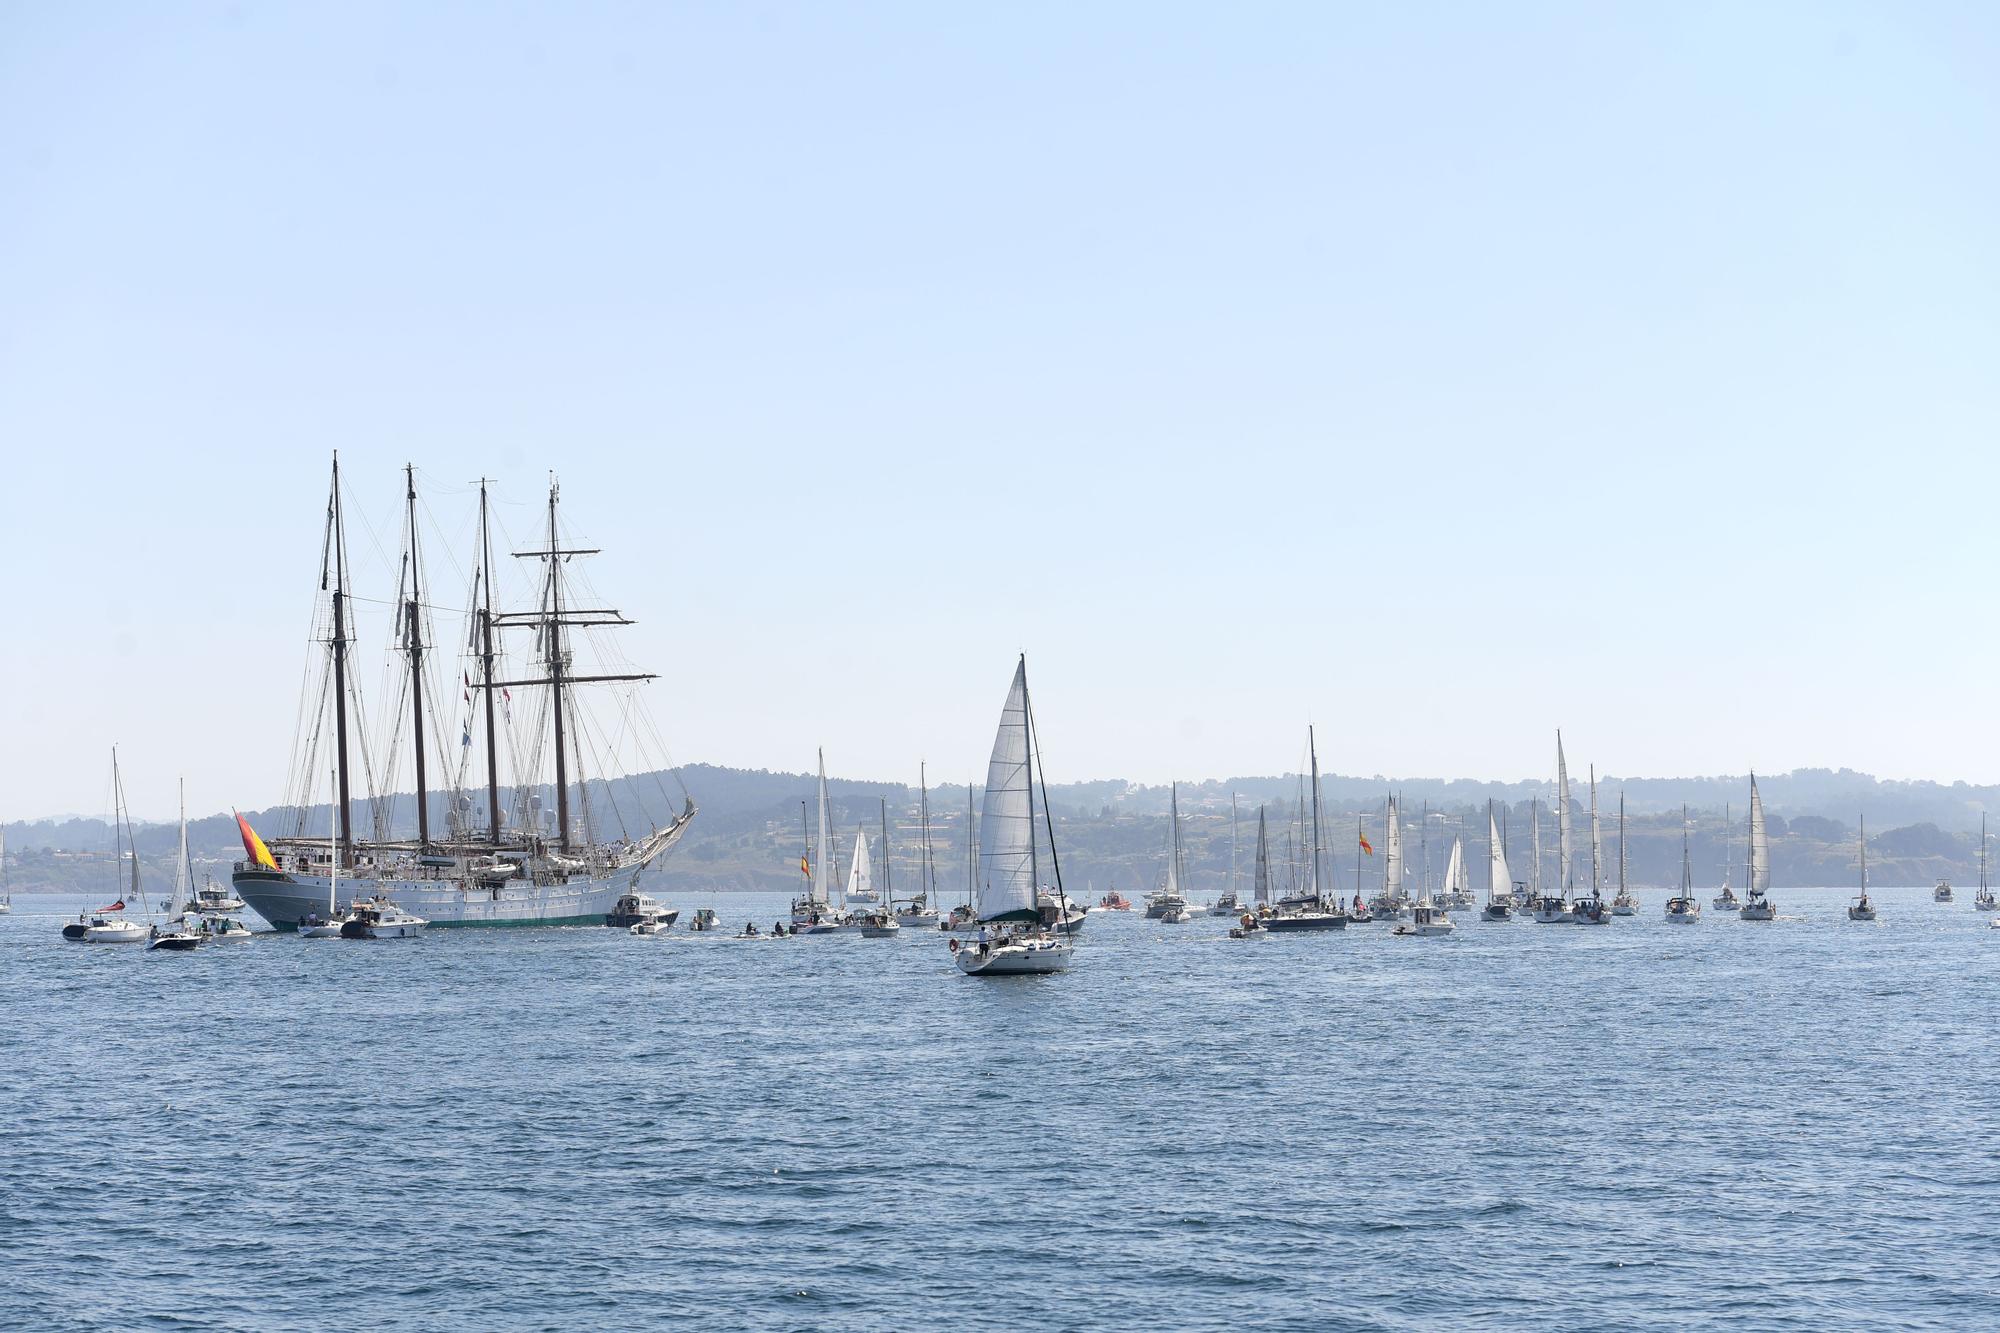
{"x": 1007, "y": 824}
{"x": 1596, "y": 839}
{"x": 1565, "y": 835}
{"x": 1392, "y": 855}
{"x": 1174, "y": 843}
{"x": 861, "y": 870}
{"x": 823, "y": 844}
{"x": 1760, "y": 844}
{"x": 1457, "y": 875}
{"x": 1500, "y": 881}
{"x": 1263, "y": 881}
{"x": 183, "y": 872}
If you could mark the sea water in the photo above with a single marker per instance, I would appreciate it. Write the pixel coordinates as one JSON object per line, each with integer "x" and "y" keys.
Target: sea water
{"x": 1793, "y": 1124}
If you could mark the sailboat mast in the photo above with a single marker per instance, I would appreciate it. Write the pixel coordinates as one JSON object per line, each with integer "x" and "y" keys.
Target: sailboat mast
{"x": 413, "y": 643}
{"x": 486, "y": 664}
{"x": 1028, "y": 758}
{"x": 554, "y": 645}
{"x": 927, "y": 880}
{"x": 1621, "y": 844}
{"x": 971, "y": 846}
{"x": 888, "y": 885}
{"x": 337, "y": 543}
{"x": 1535, "y": 817}
{"x": 1232, "y": 842}
{"x": 1687, "y": 871}
{"x": 1312, "y": 750}
{"x": 1982, "y": 850}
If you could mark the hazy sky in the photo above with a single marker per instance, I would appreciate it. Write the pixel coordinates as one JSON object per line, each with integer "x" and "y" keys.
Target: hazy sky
{"x": 1440, "y": 373}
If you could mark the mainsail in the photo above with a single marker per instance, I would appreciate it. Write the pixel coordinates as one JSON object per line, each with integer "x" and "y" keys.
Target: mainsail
{"x": 822, "y": 893}
{"x": 861, "y": 870}
{"x": 1392, "y": 856}
{"x": 1263, "y": 882}
{"x": 1760, "y": 843}
{"x": 1174, "y": 843}
{"x": 1007, "y": 869}
{"x": 1500, "y": 882}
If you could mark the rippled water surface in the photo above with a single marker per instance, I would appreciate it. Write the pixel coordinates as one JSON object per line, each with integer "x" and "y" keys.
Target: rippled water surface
{"x": 1793, "y": 1124}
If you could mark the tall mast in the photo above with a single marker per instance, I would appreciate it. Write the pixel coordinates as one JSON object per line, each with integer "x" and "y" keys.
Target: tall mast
{"x": 1028, "y": 757}
{"x": 1621, "y": 844}
{"x": 555, "y": 658}
{"x": 1982, "y": 849}
{"x": 971, "y": 846}
{"x": 413, "y": 643}
{"x": 888, "y": 885}
{"x": 1232, "y": 842}
{"x": 1687, "y": 871}
{"x": 1312, "y": 751}
{"x": 486, "y": 664}
{"x": 337, "y": 546}
{"x": 1535, "y": 817}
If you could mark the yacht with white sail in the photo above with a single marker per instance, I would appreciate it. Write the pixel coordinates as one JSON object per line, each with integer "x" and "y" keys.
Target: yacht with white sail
{"x": 1012, "y": 939}
{"x": 919, "y": 912}
{"x": 1230, "y": 903}
{"x": 1593, "y": 911}
{"x": 179, "y": 934}
{"x": 816, "y": 913}
{"x": 1862, "y": 908}
{"x": 471, "y": 872}
{"x": 108, "y": 925}
{"x": 1684, "y": 909}
{"x": 879, "y": 922}
{"x": 1458, "y": 877}
{"x": 1169, "y": 905}
{"x": 1554, "y": 909}
{"x": 1428, "y": 919}
{"x": 1758, "y": 906}
{"x": 1499, "y": 881}
{"x": 1393, "y": 900}
{"x": 1626, "y": 903}
{"x": 1726, "y": 900}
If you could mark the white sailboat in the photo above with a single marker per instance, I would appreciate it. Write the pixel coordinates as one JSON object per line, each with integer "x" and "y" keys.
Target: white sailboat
{"x": 921, "y": 911}
{"x": 817, "y": 913}
{"x": 1683, "y": 909}
{"x": 313, "y": 926}
{"x": 1726, "y": 900}
{"x": 1554, "y": 909}
{"x": 1012, "y": 940}
{"x": 108, "y": 925}
{"x": 1862, "y": 909}
{"x": 1593, "y": 911}
{"x": 1311, "y": 910}
{"x": 1499, "y": 881}
{"x": 1169, "y": 905}
{"x": 1391, "y": 902}
{"x": 1230, "y": 903}
{"x": 1428, "y": 919}
{"x": 881, "y": 923}
{"x": 1250, "y": 925}
{"x": 179, "y": 936}
{"x": 1758, "y": 905}
{"x": 1627, "y": 902}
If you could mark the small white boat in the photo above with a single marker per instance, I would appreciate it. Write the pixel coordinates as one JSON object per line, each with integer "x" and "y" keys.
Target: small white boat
{"x": 651, "y": 928}
{"x": 880, "y": 926}
{"x": 217, "y": 927}
{"x": 1727, "y": 901}
{"x": 212, "y": 897}
{"x": 105, "y": 925}
{"x": 1682, "y": 911}
{"x": 379, "y": 918}
{"x": 705, "y": 918}
{"x": 635, "y": 907}
{"x": 1942, "y": 893}
{"x": 176, "y": 938}
{"x": 104, "y": 928}
{"x": 1425, "y": 920}
{"x": 1499, "y": 879}
{"x": 313, "y": 927}
{"x": 1758, "y": 907}
{"x": 1591, "y": 911}
{"x": 1176, "y": 915}
{"x": 1013, "y": 955}
{"x": 1552, "y": 912}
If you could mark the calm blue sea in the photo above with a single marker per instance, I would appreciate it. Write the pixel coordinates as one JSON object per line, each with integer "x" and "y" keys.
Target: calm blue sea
{"x": 1788, "y": 1125}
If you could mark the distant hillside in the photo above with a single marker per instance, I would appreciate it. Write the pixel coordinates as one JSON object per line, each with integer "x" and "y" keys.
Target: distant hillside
{"x": 1112, "y": 833}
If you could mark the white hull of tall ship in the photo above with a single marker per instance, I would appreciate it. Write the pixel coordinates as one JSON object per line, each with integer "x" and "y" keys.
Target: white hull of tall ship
{"x": 1016, "y": 957}
{"x": 283, "y": 897}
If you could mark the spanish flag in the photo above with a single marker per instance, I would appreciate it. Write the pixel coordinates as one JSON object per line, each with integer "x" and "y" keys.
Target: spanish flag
{"x": 805, "y": 866}
{"x": 1364, "y": 843}
{"x": 253, "y": 846}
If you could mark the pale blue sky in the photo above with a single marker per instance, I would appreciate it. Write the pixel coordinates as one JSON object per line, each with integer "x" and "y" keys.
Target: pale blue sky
{"x": 1442, "y": 373}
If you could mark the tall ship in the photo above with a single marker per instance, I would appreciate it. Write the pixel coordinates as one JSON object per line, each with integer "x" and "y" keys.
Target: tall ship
{"x": 497, "y": 859}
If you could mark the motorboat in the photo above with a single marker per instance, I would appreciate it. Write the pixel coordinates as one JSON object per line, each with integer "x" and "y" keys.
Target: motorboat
{"x": 635, "y": 907}
{"x": 379, "y": 918}
{"x": 1591, "y": 911}
{"x": 176, "y": 938}
{"x": 212, "y": 897}
{"x": 1176, "y": 915}
{"x": 1161, "y": 901}
{"x": 705, "y": 918}
{"x": 1942, "y": 893}
{"x": 313, "y": 926}
{"x": 1248, "y": 927}
{"x": 1226, "y": 905}
{"x": 214, "y": 927}
{"x": 880, "y": 926}
{"x": 1060, "y": 914}
{"x": 1425, "y": 920}
{"x": 1114, "y": 901}
{"x": 650, "y": 928}
{"x": 1297, "y": 915}
{"x": 961, "y": 921}
{"x": 916, "y": 915}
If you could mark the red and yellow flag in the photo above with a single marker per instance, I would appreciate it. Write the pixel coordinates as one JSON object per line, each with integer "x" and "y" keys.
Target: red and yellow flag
{"x": 253, "y": 846}
{"x": 805, "y": 867}
{"x": 1364, "y": 844}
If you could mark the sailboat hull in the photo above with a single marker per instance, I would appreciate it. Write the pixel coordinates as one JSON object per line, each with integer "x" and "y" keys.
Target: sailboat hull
{"x": 1015, "y": 960}
{"x": 283, "y": 899}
